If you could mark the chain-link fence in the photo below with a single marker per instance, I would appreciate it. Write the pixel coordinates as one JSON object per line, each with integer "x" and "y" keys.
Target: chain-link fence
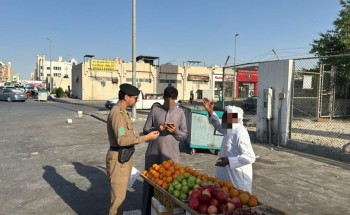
{"x": 321, "y": 101}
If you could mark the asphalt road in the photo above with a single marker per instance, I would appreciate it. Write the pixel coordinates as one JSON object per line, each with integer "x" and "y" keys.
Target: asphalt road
{"x": 50, "y": 167}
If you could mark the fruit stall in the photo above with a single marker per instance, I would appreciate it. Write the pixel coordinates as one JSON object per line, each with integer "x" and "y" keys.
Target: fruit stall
{"x": 177, "y": 187}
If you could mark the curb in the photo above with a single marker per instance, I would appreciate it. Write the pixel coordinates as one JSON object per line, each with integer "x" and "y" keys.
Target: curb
{"x": 318, "y": 150}
{"x": 98, "y": 118}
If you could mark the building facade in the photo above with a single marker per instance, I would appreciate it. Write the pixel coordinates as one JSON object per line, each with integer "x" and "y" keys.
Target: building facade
{"x": 5, "y": 72}
{"x": 58, "y": 73}
{"x": 99, "y": 79}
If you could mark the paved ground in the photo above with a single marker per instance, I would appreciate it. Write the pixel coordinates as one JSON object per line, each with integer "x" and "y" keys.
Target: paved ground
{"x": 51, "y": 167}
{"x": 290, "y": 181}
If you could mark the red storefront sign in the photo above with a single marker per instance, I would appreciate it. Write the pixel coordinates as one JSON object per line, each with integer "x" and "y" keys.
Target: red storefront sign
{"x": 247, "y": 76}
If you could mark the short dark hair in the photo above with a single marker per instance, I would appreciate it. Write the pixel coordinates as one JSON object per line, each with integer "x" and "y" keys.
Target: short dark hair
{"x": 170, "y": 92}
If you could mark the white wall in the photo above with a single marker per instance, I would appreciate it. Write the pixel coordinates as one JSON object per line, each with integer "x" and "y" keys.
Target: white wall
{"x": 278, "y": 76}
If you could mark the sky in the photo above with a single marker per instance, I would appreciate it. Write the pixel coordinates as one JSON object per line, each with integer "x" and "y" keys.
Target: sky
{"x": 174, "y": 31}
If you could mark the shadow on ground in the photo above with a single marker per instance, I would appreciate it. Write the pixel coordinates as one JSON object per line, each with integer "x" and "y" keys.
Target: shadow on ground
{"x": 94, "y": 200}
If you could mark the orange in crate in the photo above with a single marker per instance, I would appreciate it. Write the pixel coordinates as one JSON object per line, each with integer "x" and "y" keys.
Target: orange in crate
{"x": 244, "y": 197}
{"x": 225, "y": 189}
{"x": 166, "y": 164}
{"x": 229, "y": 185}
{"x": 253, "y": 201}
{"x": 169, "y": 179}
{"x": 234, "y": 192}
{"x": 177, "y": 166}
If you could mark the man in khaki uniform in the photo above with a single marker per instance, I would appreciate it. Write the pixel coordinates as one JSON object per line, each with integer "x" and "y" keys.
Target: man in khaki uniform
{"x": 121, "y": 134}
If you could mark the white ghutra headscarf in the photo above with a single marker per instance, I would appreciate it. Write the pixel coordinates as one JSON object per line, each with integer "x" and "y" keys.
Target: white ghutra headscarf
{"x": 240, "y": 112}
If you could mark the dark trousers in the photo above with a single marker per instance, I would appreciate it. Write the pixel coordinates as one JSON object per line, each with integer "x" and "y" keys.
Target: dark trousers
{"x": 148, "y": 192}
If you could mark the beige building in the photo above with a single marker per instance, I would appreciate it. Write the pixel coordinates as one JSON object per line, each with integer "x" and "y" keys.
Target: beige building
{"x": 5, "y": 72}
{"x": 96, "y": 79}
{"x": 16, "y": 78}
{"x": 185, "y": 78}
{"x": 61, "y": 72}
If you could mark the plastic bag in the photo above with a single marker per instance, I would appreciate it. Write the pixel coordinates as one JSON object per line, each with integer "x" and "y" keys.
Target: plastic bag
{"x": 133, "y": 176}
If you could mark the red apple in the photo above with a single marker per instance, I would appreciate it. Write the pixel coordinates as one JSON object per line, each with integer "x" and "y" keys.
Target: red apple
{"x": 193, "y": 203}
{"x": 212, "y": 210}
{"x": 200, "y": 189}
{"x": 222, "y": 208}
{"x": 204, "y": 198}
{"x": 204, "y": 186}
{"x": 215, "y": 191}
{"x": 230, "y": 207}
{"x": 195, "y": 194}
{"x": 206, "y": 192}
{"x": 238, "y": 205}
{"x": 203, "y": 208}
{"x": 221, "y": 197}
{"x": 213, "y": 201}
{"x": 235, "y": 200}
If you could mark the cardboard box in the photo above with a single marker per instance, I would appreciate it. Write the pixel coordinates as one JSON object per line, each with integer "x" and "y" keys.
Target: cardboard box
{"x": 157, "y": 208}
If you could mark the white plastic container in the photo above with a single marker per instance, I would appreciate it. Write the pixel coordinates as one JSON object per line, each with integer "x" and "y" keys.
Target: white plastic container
{"x": 80, "y": 113}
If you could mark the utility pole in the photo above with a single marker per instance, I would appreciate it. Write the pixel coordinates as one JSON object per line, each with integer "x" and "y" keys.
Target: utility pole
{"x": 234, "y": 60}
{"x": 223, "y": 82}
{"x": 50, "y": 80}
{"x": 133, "y": 113}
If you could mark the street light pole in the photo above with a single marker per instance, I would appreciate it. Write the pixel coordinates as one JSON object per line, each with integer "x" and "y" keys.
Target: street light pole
{"x": 50, "y": 64}
{"x": 234, "y": 68}
{"x": 234, "y": 61}
{"x": 133, "y": 112}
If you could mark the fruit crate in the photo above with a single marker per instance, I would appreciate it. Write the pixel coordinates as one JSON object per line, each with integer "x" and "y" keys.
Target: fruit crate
{"x": 170, "y": 202}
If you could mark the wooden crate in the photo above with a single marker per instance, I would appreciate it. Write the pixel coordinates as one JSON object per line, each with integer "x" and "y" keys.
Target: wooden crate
{"x": 170, "y": 202}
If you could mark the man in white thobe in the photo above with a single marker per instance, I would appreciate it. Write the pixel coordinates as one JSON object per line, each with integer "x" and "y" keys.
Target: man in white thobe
{"x": 236, "y": 153}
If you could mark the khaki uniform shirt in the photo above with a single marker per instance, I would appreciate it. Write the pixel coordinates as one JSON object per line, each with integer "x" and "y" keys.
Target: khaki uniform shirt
{"x": 120, "y": 128}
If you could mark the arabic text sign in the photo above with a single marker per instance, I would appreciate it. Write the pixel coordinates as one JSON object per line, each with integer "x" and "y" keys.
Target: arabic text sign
{"x": 102, "y": 65}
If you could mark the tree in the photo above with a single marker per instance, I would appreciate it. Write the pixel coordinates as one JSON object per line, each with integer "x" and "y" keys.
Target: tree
{"x": 336, "y": 42}
{"x": 342, "y": 23}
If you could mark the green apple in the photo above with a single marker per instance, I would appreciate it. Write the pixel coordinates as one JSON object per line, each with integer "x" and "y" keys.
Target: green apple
{"x": 171, "y": 189}
{"x": 187, "y": 175}
{"x": 192, "y": 179}
{"x": 185, "y": 189}
{"x": 179, "y": 178}
{"x": 191, "y": 184}
{"x": 177, "y": 193}
{"x": 175, "y": 182}
{"x": 183, "y": 196}
{"x": 178, "y": 186}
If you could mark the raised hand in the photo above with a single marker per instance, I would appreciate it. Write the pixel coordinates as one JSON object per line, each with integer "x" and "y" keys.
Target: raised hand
{"x": 208, "y": 105}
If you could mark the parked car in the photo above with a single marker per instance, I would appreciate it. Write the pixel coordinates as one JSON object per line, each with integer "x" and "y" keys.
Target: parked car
{"x": 10, "y": 94}
{"x": 144, "y": 101}
{"x": 250, "y": 103}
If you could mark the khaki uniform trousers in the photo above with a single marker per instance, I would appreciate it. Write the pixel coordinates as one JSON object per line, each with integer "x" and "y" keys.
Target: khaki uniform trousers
{"x": 118, "y": 175}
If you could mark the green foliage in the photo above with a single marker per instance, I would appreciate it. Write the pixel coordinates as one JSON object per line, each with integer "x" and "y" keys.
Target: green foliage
{"x": 54, "y": 90}
{"x": 342, "y": 23}
{"x": 59, "y": 92}
{"x": 336, "y": 42}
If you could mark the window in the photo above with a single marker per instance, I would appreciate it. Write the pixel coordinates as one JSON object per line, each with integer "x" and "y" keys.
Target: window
{"x": 170, "y": 81}
{"x": 140, "y": 80}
